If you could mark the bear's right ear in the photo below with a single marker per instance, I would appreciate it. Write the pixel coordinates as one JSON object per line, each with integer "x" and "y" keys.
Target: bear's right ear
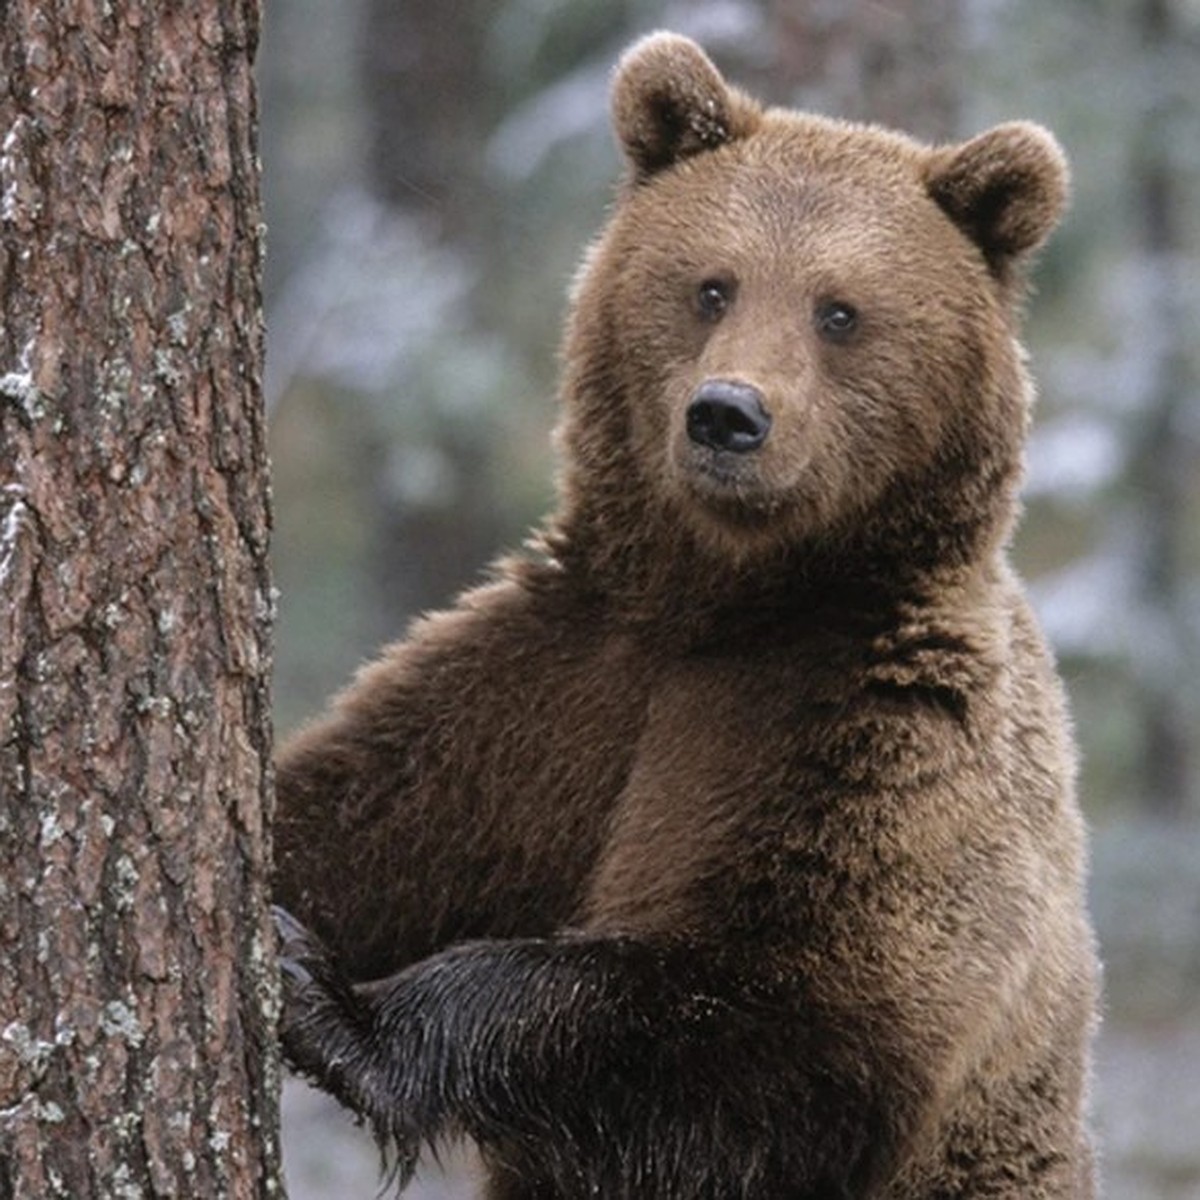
{"x": 1005, "y": 189}
{"x": 669, "y": 102}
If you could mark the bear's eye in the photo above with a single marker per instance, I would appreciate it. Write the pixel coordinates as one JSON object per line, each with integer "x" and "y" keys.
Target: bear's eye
{"x": 713, "y": 297}
{"x": 836, "y": 320}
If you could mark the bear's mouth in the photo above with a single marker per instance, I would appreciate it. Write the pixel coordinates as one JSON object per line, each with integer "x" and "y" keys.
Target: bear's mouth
{"x": 731, "y": 485}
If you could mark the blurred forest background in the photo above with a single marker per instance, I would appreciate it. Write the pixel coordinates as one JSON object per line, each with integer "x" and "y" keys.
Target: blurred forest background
{"x": 433, "y": 171}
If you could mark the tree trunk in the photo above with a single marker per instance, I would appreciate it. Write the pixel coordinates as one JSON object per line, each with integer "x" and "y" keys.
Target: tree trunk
{"x": 427, "y": 89}
{"x": 137, "y": 977}
{"x": 1165, "y": 457}
{"x": 428, "y": 62}
{"x": 899, "y": 64}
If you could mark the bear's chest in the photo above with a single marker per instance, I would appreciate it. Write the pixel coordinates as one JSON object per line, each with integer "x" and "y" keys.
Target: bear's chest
{"x": 760, "y": 784}
{"x": 712, "y": 780}
{"x": 720, "y": 730}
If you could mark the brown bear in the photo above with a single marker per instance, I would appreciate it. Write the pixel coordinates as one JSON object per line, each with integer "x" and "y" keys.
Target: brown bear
{"x": 726, "y": 844}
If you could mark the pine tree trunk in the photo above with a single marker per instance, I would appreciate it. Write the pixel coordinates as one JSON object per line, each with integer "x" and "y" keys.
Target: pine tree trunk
{"x": 899, "y": 64}
{"x": 428, "y": 61}
{"x": 1165, "y": 460}
{"x": 136, "y": 977}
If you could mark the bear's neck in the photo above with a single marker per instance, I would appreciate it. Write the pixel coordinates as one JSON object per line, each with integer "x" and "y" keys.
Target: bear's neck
{"x": 643, "y": 565}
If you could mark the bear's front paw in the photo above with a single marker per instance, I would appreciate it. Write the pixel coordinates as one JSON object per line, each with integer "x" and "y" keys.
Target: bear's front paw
{"x": 302, "y": 958}
{"x": 322, "y": 1019}
{"x": 329, "y": 1035}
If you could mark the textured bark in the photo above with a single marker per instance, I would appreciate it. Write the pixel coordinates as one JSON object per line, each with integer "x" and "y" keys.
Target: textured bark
{"x": 137, "y": 975}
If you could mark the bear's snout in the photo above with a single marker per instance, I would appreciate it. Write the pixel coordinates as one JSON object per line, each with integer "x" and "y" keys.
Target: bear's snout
{"x": 724, "y": 415}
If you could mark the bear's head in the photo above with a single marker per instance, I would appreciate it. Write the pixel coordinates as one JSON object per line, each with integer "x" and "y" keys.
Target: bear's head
{"x": 796, "y": 336}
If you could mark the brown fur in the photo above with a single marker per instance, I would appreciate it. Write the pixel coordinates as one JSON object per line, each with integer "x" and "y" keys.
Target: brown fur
{"x": 790, "y": 712}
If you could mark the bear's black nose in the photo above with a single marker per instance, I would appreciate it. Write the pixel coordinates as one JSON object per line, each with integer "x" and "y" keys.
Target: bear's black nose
{"x": 728, "y": 416}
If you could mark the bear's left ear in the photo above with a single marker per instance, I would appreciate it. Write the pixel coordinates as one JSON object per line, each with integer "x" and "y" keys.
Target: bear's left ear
{"x": 1005, "y": 189}
{"x": 669, "y": 102}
